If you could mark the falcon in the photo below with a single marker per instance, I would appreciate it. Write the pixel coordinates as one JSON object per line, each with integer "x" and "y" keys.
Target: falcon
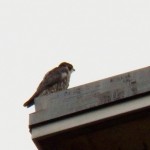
{"x": 55, "y": 80}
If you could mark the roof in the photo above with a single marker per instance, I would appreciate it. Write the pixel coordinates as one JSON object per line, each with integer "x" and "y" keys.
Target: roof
{"x": 98, "y": 101}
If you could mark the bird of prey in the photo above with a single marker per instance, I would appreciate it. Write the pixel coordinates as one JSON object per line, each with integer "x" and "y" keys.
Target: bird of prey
{"x": 55, "y": 80}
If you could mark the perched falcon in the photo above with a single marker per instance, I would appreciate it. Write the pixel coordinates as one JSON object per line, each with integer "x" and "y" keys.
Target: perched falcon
{"x": 55, "y": 80}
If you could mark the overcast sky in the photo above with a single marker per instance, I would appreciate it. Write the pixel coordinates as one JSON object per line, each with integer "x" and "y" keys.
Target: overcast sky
{"x": 101, "y": 38}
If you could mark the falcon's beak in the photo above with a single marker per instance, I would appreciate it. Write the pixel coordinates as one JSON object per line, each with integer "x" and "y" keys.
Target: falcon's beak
{"x": 73, "y": 69}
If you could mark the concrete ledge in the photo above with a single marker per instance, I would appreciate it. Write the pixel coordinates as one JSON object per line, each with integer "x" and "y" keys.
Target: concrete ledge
{"x": 90, "y": 117}
{"x": 89, "y": 96}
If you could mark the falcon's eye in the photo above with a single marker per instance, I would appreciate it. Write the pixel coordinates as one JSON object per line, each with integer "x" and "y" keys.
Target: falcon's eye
{"x": 64, "y": 64}
{"x": 70, "y": 67}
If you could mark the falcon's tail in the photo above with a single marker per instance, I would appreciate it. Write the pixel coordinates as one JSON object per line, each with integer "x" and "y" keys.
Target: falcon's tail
{"x": 30, "y": 102}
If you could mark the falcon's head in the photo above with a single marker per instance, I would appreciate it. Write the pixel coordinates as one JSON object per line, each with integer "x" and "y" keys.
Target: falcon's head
{"x": 69, "y": 66}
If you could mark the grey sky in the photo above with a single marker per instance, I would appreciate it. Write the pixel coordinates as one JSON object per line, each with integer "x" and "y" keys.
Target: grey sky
{"x": 100, "y": 38}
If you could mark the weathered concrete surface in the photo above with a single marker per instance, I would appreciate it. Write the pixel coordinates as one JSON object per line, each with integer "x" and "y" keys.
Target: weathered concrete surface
{"x": 92, "y": 116}
{"x": 88, "y": 96}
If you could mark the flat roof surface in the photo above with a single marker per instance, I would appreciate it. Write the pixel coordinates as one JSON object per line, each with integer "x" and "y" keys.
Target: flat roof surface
{"x": 113, "y": 113}
{"x": 98, "y": 94}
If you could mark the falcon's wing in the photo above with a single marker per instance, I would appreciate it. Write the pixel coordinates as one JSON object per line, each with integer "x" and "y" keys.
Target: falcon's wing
{"x": 52, "y": 77}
